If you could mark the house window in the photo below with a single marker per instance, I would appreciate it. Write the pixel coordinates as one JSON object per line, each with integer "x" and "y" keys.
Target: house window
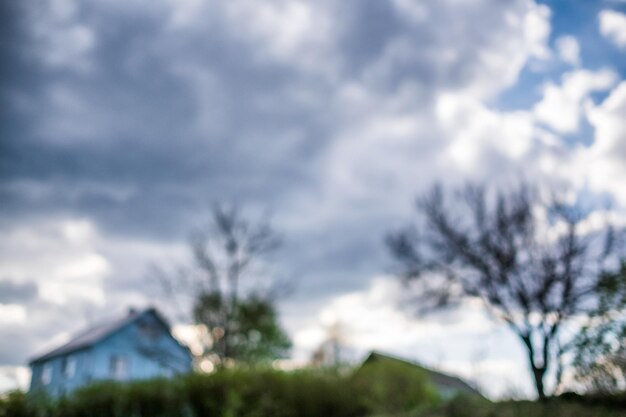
{"x": 68, "y": 366}
{"x": 46, "y": 374}
{"x": 118, "y": 367}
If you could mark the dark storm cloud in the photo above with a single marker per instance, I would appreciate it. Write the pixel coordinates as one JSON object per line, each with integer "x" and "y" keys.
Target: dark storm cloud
{"x": 187, "y": 114}
{"x": 137, "y": 115}
{"x": 369, "y": 27}
{"x": 129, "y": 122}
{"x": 10, "y": 38}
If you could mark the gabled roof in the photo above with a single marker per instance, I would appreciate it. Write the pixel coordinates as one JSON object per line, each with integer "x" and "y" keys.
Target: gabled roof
{"x": 94, "y": 334}
{"x": 437, "y": 378}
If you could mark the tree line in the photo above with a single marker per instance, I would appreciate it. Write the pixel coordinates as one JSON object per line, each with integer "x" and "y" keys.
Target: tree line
{"x": 535, "y": 261}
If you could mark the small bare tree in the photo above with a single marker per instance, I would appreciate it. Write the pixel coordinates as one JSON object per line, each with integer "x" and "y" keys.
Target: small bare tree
{"x": 228, "y": 253}
{"x": 528, "y": 261}
{"x": 332, "y": 350}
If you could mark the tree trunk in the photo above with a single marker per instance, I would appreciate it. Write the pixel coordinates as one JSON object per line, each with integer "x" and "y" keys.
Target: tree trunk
{"x": 538, "y": 374}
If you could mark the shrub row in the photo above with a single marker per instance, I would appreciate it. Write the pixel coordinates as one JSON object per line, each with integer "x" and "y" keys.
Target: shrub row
{"x": 232, "y": 393}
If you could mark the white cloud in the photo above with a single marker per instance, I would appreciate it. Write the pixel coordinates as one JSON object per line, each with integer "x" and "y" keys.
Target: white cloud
{"x": 613, "y": 27}
{"x": 296, "y": 32}
{"x": 395, "y": 140}
{"x": 608, "y": 119}
{"x": 14, "y": 376}
{"x": 69, "y": 268}
{"x": 477, "y": 133}
{"x": 604, "y": 163}
{"x": 511, "y": 375}
{"x": 372, "y": 319}
{"x": 568, "y": 50}
{"x": 458, "y": 342}
{"x": 78, "y": 231}
{"x": 561, "y": 107}
{"x": 537, "y": 29}
{"x": 388, "y": 137}
{"x": 12, "y": 314}
{"x": 518, "y": 34}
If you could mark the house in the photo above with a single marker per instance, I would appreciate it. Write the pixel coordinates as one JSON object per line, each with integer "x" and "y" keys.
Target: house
{"x": 447, "y": 386}
{"x": 138, "y": 345}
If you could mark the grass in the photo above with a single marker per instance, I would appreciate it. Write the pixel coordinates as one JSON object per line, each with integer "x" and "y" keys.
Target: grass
{"x": 468, "y": 407}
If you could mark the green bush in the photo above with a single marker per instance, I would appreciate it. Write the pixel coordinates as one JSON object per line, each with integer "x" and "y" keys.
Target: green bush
{"x": 392, "y": 387}
{"x": 157, "y": 397}
{"x": 13, "y": 404}
{"x": 227, "y": 393}
{"x": 381, "y": 391}
{"x": 248, "y": 393}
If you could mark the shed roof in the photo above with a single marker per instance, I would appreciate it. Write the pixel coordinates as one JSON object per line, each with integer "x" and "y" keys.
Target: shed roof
{"x": 437, "y": 378}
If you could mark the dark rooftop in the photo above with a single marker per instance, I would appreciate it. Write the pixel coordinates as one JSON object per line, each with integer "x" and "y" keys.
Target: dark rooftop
{"x": 94, "y": 334}
{"x": 437, "y": 378}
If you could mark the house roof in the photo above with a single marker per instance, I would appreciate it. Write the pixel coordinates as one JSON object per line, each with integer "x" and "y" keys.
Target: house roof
{"x": 437, "y": 378}
{"x": 96, "y": 333}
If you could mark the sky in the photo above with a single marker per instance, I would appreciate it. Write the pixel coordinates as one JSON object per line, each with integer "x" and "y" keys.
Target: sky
{"x": 121, "y": 122}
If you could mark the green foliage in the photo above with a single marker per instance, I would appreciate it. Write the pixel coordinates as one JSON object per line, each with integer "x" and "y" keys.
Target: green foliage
{"x": 239, "y": 392}
{"x": 259, "y": 336}
{"x": 147, "y": 398}
{"x": 393, "y": 386}
{"x": 600, "y": 348}
{"x": 269, "y": 393}
{"x": 253, "y": 336}
{"x": 14, "y": 405}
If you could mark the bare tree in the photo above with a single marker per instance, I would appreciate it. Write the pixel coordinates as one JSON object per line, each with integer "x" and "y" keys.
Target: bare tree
{"x": 227, "y": 254}
{"x": 528, "y": 261}
{"x": 332, "y": 350}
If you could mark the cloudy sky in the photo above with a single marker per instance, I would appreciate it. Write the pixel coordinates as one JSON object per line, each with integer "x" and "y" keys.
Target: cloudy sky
{"x": 122, "y": 121}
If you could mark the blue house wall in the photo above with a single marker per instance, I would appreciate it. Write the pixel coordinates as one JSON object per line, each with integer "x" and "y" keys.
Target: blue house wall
{"x": 60, "y": 383}
{"x": 142, "y": 348}
{"x": 144, "y": 357}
